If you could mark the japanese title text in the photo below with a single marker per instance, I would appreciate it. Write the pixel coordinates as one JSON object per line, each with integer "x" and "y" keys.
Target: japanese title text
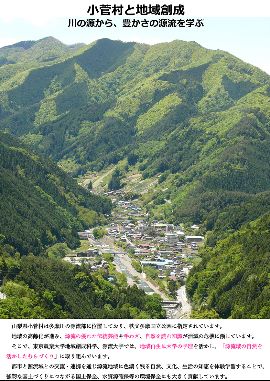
{"x": 134, "y": 16}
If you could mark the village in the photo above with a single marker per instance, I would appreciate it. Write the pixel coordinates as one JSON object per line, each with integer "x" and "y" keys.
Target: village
{"x": 155, "y": 255}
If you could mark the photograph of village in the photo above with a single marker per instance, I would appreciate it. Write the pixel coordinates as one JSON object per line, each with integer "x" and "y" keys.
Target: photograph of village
{"x": 134, "y": 162}
{"x": 156, "y": 256}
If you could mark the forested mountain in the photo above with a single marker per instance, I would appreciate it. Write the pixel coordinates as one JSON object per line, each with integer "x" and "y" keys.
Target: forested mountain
{"x": 232, "y": 280}
{"x": 40, "y": 204}
{"x": 199, "y": 117}
{"x": 45, "y": 50}
{"x": 39, "y": 287}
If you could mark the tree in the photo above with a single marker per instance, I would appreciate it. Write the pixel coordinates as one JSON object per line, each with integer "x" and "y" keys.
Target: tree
{"x": 90, "y": 185}
{"x": 205, "y": 314}
{"x": 137, "y": 266}
{"x": 99, "y": 232}
{"x": 115, "y": 182}
{"x": 2, "y": 239}
{"x": 172, "y": 287}
{"x": 59, "y": 250}
{"x": 108, "y": 257}
{"x": 132, "y": 158}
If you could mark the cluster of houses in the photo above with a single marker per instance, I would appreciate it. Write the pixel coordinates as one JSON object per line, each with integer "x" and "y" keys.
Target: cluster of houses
{"x": 158, "y": 244}
{"x": 91, "y": 256}
{"x": 95, "y": 261}
{"x": 163, "y": 246}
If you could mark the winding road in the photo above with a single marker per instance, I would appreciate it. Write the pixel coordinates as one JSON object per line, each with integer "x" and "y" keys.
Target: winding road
{"x": 123, "y": 265}
{"x": 186, "y": 307}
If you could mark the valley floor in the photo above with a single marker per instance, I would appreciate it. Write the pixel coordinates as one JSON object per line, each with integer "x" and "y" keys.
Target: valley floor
{"x": 155, "y": 256}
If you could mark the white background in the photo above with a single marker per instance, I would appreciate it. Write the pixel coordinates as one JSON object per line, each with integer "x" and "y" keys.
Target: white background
{"x": 259, "y": 329}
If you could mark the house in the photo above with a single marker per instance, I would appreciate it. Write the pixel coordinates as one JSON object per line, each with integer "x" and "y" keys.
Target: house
{"x": 171, "y": 238}
{"x": 158, "y": 263}
{"x": 180, "y": 234}
{"x": 90, "y": 253}
{"x": 159, "y": 227}
{"x": 194, "y": 238}
{"x": 144, "y": 245}
{"x": 83, "y": 235}
{"x": 165, "y": 253}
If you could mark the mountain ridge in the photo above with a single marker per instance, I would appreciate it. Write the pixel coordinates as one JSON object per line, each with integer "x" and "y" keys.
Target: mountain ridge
{"x": 178, "y": 106}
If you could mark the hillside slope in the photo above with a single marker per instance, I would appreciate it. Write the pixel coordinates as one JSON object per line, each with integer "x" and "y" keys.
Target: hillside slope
{"x": 198, "y": 117}
{"x": 40, "y": 204}
{"x": 40, "y": 288}
{"x": 233, "y": 278}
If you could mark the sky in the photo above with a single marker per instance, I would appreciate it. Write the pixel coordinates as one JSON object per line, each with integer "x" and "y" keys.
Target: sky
{"x": 241, "y": 27}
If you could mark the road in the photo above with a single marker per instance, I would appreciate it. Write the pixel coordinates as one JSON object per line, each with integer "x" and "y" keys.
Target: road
{"x": 186, "y": 307}
{"x": 123, "y": 263}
